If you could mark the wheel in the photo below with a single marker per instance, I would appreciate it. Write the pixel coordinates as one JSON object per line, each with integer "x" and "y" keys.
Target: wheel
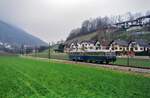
{"x": 98, "y": 62}
{"x": 107, "y": 62}
{"x": 90, "y": 61}
{"x": 101, "y": 62}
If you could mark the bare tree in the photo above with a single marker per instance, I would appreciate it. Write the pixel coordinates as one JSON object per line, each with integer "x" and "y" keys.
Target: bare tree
{"x": 148, "y": 12}
{"x": 130, "y": 16}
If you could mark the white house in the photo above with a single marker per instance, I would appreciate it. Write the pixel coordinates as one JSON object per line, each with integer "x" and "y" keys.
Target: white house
{"x": 73, "y": 46}
{"x": 85, "y": 46}
{"x": 138, "y": 46}
{"x": 118, "y": 45}
{"x": 91, "y": 45}
{"x": 98, "y": 45}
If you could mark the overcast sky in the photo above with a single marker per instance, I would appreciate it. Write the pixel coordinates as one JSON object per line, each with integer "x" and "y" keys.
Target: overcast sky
{"x": 51, "y": 20}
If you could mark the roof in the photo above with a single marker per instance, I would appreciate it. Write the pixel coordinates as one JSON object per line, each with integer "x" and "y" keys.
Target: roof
{"x": 141, "y": 42}
{"x": 91, "y": 42}
{"x": 120, "y": 42}
{"x": 73, "y": 42}
{"x": 57, "y": 46}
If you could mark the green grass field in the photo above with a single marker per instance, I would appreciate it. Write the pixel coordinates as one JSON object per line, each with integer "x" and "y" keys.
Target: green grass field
{"x": 28, "y": 78}
{"x": 53, "y": 55}
{"x": 133, "y": 62}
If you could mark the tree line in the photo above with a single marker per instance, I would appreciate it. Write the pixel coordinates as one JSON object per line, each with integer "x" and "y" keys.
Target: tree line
{"x": 92, "y": 25}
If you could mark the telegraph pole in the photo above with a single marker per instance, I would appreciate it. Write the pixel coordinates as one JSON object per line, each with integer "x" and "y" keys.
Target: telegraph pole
{"x": 35, "y": 51}
{"x": 49, "y": 51}
{"x": 128, "y": 62}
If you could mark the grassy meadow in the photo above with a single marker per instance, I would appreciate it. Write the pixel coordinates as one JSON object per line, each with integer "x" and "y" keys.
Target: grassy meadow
{"x": 53, "y": 55}
{"x": 28, "y": 78}
{"x": 133, "y": 62}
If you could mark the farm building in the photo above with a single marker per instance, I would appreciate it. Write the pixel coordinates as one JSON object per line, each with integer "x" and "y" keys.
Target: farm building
{"x": 58, "y": 47}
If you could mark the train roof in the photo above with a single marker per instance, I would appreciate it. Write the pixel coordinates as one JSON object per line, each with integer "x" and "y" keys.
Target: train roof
{"x": 90, "y": 51}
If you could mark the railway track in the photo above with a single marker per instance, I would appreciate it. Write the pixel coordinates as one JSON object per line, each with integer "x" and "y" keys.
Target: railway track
{"x": 112, "y": 66}
{"x": 130, "y": 66}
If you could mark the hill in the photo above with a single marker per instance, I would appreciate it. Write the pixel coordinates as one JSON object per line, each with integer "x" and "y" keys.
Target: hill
{"x": 15, "y": 36}
{"x": 101, "y": 35}
{"x": 89, "y": 36}
{"x": 125, "y": 27}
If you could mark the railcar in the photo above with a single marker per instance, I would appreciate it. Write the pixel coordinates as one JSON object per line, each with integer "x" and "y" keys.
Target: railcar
{"x": 93, "y": 57}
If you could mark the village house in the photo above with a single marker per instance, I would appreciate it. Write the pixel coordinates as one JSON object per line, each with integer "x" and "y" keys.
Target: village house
{"x": 85, "y": 46}
{"x": 73, "y": 46}
{"x": 105, "y": 45}
{"x": 138, "y": 46}
{"x": 118, "y": 45}
{"x": 58, "y": 47}
{"x": 66, "y": 48}
{"x": 98, "y": 45}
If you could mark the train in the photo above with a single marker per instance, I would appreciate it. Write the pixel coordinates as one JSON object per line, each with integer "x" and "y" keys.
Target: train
{"x": 93, "y": 57}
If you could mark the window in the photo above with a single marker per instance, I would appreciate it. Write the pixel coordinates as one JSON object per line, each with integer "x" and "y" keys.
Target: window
{"x": 98, "y": 44}
{"x": 141, "y": 48}
{"x": 127, "y": 48}
{"x": 91, "y": 47}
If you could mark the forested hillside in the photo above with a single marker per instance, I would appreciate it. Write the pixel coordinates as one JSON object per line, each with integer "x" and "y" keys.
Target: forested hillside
{"x": 103, "y": 29}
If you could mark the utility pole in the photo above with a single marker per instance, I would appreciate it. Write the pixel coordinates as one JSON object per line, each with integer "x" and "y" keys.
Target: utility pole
{"x": 35, "y": 50}
{"x": 128, "y": 60}
{"x": 25, "y": 51}
{"x": 49, "y": 51}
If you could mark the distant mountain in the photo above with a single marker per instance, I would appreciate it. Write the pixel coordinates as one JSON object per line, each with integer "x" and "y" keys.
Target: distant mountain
{"x": 16, "y": 36}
